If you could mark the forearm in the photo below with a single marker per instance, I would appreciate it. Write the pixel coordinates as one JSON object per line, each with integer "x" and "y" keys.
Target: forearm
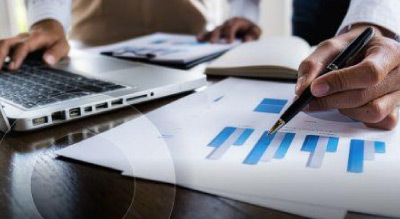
{"x": 39, "y": 10}
{"x": 381, "y": 13}
{"x": 248, "y": 9}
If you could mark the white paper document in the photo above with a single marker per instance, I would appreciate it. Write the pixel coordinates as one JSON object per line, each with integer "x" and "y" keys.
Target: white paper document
{"x": 163, "y": 47}
{"x": 320, "y": 159}
{"x": 215, "y": 141}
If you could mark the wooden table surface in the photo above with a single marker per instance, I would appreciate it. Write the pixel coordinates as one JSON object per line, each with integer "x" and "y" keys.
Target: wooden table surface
{"x": 34, "y": 183}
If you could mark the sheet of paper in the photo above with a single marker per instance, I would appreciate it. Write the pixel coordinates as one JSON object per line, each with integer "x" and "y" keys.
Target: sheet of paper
{"x": 320, "y": 159}
{"x": 166, "y": 48}
{"x": 169, "y": 120}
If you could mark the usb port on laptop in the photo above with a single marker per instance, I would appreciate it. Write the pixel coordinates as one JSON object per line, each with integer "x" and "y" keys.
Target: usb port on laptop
{"x": 73, "y": 113}
{"x": 101, "y": 106}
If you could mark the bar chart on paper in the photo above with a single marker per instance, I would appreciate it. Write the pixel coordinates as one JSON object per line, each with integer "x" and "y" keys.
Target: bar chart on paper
{"x": 272, "y": 106}
{"x": 276, "y": 147}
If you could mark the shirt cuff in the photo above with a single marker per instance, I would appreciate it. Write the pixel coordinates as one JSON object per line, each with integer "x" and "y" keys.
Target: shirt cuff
{"x": 248, "y": 9}
{"x": 59, "y": 10}
{"x": 384, "y": 14}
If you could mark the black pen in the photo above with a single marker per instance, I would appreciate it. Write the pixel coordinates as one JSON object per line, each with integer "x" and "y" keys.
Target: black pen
{"x": 339, "y": 62}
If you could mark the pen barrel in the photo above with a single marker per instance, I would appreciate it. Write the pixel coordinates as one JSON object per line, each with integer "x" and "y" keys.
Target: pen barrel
{"x": 302, "y": 101}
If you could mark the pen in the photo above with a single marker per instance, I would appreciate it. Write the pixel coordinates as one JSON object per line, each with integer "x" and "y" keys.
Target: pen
{"x": 339, "y": 62}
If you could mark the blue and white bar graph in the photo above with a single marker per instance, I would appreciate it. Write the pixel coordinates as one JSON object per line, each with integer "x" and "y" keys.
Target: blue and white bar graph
{"x": 276, "y": 146}
{"x": 226, "y": 138}
{"x": 269, "y": 147}
{"x": 317, "y": 146}
{"x": 361, "y": 150}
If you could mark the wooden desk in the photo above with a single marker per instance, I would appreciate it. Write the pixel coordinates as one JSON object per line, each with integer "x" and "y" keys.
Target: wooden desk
{"x": 34, "y": 183}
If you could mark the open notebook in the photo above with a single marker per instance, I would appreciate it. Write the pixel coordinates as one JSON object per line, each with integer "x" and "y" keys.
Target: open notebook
{"x": 277, "y": 57}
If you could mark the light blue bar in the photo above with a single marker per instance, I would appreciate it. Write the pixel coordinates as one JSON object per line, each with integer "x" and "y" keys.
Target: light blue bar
{"x": 259, "y": 149}
{"x": 222, "y": 137}
{"x": 265, "y": 108}
{"x": 243, "y": 137}
{"x": 219, "y": 98}
{"x": 284, "y": 146}
{"x": 332, "y": 145}
{"x": 356, "y": 156}
{"x": 310, "y": 143}
{"x": 277, "y": 102}
{"x": 380, "y": 147}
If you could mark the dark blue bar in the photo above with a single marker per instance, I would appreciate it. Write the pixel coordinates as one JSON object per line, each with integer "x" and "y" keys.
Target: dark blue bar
{"x": 332, "y": 145}
{"x": 263, "y": 108}
{"x": 222, "y": 137}
{"x": 310, "y": 143}
{"x": 259, "y": 149}
{"x": 284, "y": 147}
{"x": 356, "y": 156}
{"x": 243, "y": 137}
{"x": 380, "y": 147}
{"x": 274, "y": 102}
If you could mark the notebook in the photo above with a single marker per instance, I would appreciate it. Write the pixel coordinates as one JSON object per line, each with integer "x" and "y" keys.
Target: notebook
{"x": 172, "y": 50}
{"x": 275, "y": 57}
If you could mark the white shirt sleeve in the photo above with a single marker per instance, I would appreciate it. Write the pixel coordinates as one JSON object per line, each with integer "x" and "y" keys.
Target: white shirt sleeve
{"x": 59, "y": 10}
{"x": 383, "y": 13}
{"x": 248, "y": 9}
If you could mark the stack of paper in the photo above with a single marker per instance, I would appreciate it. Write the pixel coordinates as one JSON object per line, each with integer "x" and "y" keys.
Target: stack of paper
{"x": 175, "y": 50}
{"x": 320, "y": 165}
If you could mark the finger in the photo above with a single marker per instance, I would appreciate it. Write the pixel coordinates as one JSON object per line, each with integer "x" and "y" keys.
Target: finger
{"x": 34, "y": 42}
{"x": 230, "y": 29}
{"x": 5, "y": 47}
{"x": 371, "y": 71}
{"x": 203, "y": 36}
{"x": 312, "y": 66}
{"x": 358, "y": 97}
{"x": 252, "y": 34}
{"x": 56, "y": 52}
{"x": 215, "y": 35}
{"x": 375, "y": 111}
{"x": 389, "y": 123}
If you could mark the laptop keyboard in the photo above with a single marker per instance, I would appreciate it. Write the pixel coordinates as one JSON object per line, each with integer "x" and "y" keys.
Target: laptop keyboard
{"x": 37, "y": 85}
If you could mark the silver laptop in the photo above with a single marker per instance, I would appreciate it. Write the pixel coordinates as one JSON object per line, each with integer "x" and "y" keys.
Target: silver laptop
{"x": 83, "y": 85}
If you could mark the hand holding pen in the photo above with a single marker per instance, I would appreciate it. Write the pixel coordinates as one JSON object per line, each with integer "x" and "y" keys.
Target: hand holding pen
{"x": 368, "y": 90}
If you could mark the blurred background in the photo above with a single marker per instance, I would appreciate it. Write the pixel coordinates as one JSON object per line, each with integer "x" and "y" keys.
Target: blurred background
{"x": 275, "y": 16}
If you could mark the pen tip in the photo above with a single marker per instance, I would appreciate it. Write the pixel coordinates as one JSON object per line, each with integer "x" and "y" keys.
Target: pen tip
{"x": 278, "y": 125}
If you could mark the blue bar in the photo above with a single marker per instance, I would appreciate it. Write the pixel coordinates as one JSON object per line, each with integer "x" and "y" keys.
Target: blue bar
{"x": 274, "y": 102}
{"x": 259, "y": 149}
{"x": 310, "y": 143}
{"x": 243, "y": 137}
{"x": 219, "y": 98}
{"x": 284, "y": 147}
{"x": 356, "y": 156}
{"x": 332, "y": 145}
{"x": 222, "y": 137}
{"x": 380, "y": 147}
{"x": 264, "y": 108}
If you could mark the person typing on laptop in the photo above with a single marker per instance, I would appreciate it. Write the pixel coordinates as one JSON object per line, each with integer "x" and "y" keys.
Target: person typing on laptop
{"x": 104, "y": 22}
{"x": 369, "y": 90}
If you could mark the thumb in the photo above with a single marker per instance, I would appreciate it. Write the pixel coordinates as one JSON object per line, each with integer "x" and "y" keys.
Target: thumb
{"x": 56, "y": 52}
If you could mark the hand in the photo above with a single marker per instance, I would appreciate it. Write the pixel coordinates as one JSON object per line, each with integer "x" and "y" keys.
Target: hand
{"x": 232, "y": 28}
{"x": 48, "y": 35}
{"x": 368, "y": 91}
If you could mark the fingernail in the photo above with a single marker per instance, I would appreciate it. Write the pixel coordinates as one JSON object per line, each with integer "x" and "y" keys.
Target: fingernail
{"x": 11, "y": 66}
{"x": 49, "y": 59}
{"x": 320, "y": 89}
